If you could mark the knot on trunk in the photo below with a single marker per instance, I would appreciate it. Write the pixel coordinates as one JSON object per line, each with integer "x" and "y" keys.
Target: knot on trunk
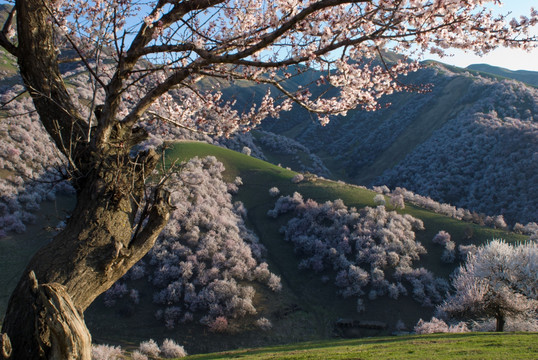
{"x": 5, "y": 346}
{"x": 61, "y": 331}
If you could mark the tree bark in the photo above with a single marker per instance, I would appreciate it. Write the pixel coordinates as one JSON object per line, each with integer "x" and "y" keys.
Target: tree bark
{"x": 5, "y": 346}
{"x": 38, "y": 65}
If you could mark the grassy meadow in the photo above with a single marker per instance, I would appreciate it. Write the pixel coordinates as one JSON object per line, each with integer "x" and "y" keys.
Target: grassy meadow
{"x": 437, "y": 346}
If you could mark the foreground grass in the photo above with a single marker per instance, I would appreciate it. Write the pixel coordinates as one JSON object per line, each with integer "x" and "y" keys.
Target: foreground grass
{"x": 436, "y": 346}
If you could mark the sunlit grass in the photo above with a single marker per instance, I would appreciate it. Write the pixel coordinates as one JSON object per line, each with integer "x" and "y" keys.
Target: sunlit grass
{"x": 436, "y": 346}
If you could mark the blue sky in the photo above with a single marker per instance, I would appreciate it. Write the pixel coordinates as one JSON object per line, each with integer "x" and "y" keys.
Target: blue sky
{"x": 506, "y": 58}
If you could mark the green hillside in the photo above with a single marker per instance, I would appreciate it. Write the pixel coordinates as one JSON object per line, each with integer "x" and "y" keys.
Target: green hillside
{"x": 307, "y": 308}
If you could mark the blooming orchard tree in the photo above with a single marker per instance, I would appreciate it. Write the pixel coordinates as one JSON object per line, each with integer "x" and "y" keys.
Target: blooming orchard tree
{"x": 146, "y": 60}
{"x": 500, "y": 280}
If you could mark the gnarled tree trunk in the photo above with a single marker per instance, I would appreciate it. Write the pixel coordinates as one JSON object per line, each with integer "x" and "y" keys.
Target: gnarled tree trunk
{"x": 44, "y": 318}
{"x": 83, "y": 261}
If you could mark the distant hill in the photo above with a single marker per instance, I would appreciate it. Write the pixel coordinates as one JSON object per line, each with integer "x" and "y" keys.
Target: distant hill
{"x": 478, "y": 131}
{"x": 528, "y": 77}
{"x": 388, "y": 146}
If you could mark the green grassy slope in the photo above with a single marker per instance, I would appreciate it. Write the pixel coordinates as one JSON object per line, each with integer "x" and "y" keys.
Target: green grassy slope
{"x": 317, "y": 304}
{"x": 436, "y": 346}
{"x": 258, "y": 176}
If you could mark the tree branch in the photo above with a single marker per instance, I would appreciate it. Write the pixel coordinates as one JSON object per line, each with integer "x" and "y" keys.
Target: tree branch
{"x": 144, "y": 103}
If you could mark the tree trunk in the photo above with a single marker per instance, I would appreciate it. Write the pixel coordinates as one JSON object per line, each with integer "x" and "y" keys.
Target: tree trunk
{"x": 101, "y": 241}
{"x": 500, "y": 321}
{"x": 44, "y": 316}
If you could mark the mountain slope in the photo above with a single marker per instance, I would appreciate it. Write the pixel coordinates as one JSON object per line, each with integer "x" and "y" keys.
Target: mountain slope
{"x": 385, "y": 146}
{"x": 528, "y": 77}
{"x": 307, "y": 308}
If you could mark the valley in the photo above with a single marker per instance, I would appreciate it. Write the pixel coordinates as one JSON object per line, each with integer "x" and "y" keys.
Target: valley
{"x": 297, "y": 239}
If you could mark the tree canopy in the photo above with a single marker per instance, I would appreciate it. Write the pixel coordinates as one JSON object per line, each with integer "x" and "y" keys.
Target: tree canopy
{"x": 499, "y": 281}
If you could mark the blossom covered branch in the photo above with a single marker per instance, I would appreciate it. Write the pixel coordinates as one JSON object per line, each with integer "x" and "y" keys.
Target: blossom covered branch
{"x": 269, "y": 41}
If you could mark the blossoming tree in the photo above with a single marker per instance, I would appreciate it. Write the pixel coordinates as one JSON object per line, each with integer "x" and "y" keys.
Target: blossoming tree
{"x": 499, "y": 281}
{"x": 146, "y": 60}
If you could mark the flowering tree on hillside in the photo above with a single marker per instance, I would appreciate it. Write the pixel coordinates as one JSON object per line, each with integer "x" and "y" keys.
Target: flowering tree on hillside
{"x": 499, "y": 281}
{"x": 147, "y": 61}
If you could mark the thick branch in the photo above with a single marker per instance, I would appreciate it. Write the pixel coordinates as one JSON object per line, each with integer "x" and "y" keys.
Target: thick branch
{"x": 154, "y": 94}
{"x": 38, "y": 64}
{"x": 127, "y": 64}
{"x": 270, "y": 38}
{"x": 157, "y": 218}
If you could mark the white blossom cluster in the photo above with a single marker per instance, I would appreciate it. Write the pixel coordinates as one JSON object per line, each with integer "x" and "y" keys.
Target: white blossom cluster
{"x": 436, "y": 325}
{"x": 30, "y": 165}
{"x": 371, "y": 250}
{"x": 449, "y": 253}
{"x": 203, "y": 260}
{"x": 426, "y": 202}
{"x": 146, "y": 350}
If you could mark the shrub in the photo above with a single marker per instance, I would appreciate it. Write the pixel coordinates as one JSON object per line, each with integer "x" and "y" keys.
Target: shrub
{"x": 246, "y": 150}
{"x": 220, "y": 324}
{"x": 274, "y": 191}
{"x": 297, "y": 178}
{"x": 379, "y": 200}
{"x": 149, "y": 348}
{"x": 449, "y": 254}
{"x": 442, "y": 238}
{"x": 439, "y": 326}
{"x": 274, "y": 282}
{"x": 465, "y": 250}
{"x": 264, "y": 324}
{"x": 137, "y": 355}
{"x": 397, "y": 200}
{"x": 106, "y": 352}
{"x": 169, "y": 349}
